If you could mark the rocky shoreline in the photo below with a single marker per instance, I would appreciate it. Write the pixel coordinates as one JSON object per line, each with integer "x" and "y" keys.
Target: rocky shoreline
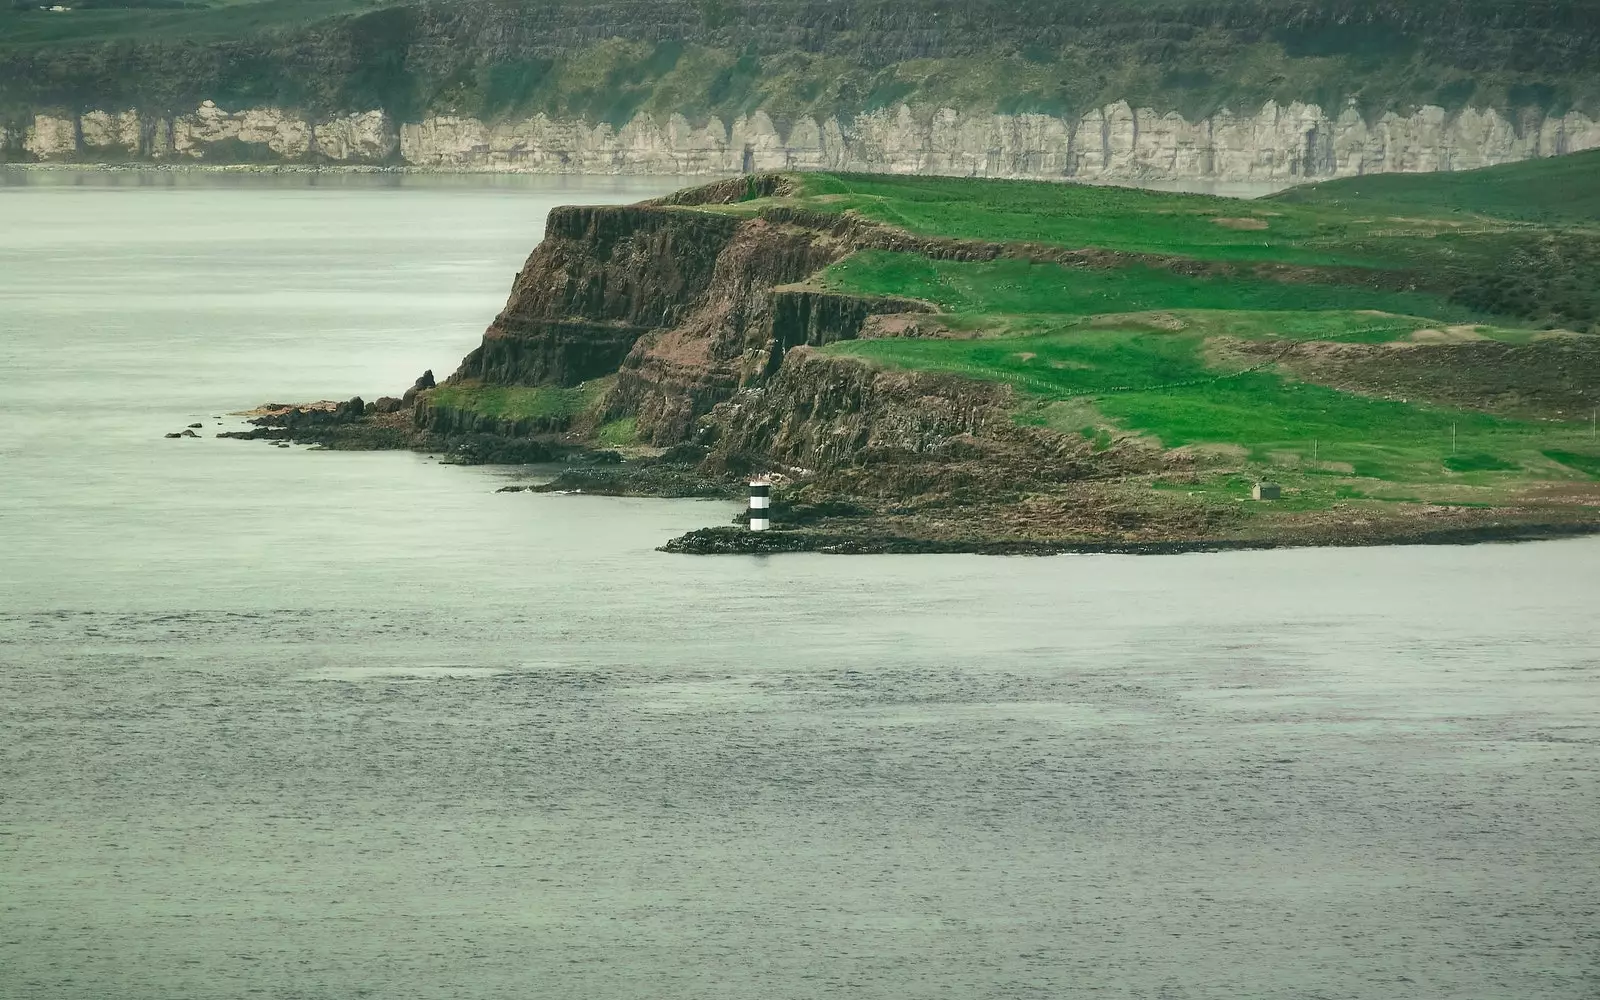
{"x": 675, "y": 349}
{"x": 810, "y": 517}
{"x": 737, "y": 541}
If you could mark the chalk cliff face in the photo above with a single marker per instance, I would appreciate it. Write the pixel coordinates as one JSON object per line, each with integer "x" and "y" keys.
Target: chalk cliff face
{"x": 211, "y": 134}
{"x": 1279, "y": 144}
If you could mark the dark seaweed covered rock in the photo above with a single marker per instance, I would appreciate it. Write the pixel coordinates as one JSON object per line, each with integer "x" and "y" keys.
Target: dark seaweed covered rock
{"x": 489, "y": 449}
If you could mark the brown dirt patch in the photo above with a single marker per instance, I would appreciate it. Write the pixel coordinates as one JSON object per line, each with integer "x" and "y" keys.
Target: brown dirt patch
{"x": 1448, "y": 335}
{"x": 890, "y": 325}
{"x": 1566, "y": 492}
{"x": 1239, "y": 223}
{"x": 1211, "y": 453}
{"x": 1154, "y": 320}
{"x": 1553, "y": 378}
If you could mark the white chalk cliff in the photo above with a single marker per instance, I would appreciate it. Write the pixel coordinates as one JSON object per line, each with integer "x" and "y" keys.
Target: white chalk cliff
{"x": 1277, "y": 144}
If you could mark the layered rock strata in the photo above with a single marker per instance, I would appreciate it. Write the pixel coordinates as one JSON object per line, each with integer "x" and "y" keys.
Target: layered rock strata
{"x": 1278, "y": 144}
{"x": 601, "y": 279}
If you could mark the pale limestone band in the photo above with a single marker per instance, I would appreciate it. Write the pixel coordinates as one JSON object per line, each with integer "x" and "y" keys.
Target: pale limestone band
{"x": 1276, "y": 144}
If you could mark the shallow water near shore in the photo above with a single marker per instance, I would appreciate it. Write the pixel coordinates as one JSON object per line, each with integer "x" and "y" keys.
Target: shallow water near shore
{"x": 333, "y": 725}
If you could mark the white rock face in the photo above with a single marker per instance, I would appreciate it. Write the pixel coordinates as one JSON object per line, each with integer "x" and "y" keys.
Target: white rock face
{"x": 51, "y": 138}
{"x": 363, "y": 137}
{"x": 107, "y": 131}
{"x": 367, "y": 137}
{"x": 357, "y": 138}
{"x": 1277, "y": 144}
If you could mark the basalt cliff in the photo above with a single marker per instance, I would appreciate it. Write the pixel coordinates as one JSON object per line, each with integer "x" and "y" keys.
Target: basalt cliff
{"x": 679, "y": 346}
{"x": 1254, "y": 91}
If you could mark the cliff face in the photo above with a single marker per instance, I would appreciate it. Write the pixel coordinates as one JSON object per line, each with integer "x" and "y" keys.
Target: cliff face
{"x": 1116, "y": 142}
{"x": 704, "y": 319}
{"x": 695, "y": 314}
{"x": 1228, "y": 90}
{"x": 687, "y": 307}
{"x": 674, "y": 376}
{"x": 211, "y": 134}
{"x": 819, "y": 412}
{"x": 601, "y": 279}
{"x": 1275, "y": 144}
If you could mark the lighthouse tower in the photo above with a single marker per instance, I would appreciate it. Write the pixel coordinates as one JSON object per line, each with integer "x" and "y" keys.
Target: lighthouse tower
{"x": 760, "y": 502}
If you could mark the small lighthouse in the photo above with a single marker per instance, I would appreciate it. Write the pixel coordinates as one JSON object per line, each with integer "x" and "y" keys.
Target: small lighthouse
{"x": 760, "y": 501}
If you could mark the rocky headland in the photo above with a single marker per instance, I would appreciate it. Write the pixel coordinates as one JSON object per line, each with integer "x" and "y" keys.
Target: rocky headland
{"x": 679, "y": 346}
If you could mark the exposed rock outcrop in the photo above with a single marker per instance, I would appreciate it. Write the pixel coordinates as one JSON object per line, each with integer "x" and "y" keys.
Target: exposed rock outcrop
{"x": 822, "y": 412}
{"x": 1550, "y": 378}
{"x": 805, "y": 317}
{"x": 213, "y": 135}
{"x": 601, "y": 280}
{"x": 677, "y": 374}
{"x": 1277, "y": 144}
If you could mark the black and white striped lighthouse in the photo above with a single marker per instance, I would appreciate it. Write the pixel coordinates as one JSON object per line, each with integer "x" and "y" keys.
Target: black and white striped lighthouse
{"x": 760, "y": 501}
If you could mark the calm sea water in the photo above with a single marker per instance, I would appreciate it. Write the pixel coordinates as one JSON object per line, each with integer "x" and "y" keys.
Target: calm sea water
{"x": 302, "y": 724}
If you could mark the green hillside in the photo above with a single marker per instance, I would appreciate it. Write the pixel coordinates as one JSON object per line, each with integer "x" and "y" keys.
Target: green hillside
{"x": 1337, "y": 337}
{"x": 1378, "y": 252}
{"x": 1563, "y": 188}
{"x": 609, "y": 61}
{"x": 24, "y": 26}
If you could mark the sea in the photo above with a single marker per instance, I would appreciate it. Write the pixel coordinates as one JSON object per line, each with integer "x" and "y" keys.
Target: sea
{"x": 294, "y": 723}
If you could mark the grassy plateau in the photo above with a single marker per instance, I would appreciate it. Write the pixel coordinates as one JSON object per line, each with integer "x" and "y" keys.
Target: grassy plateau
{"x": 1430, "y": 338}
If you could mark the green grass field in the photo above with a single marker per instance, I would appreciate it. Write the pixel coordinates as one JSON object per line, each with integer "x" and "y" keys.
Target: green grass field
{"x": 503, "y": 402}
{"x": 167, "y": 20}
{"x": 1560, "y": 189}
{"x": 1017, "y": 286}
{"x": 1078, "y": 215}
{"x": 1508, "y": 253}
{"x": 1140, "y": 349}
{"x": 1158, "y": 384}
